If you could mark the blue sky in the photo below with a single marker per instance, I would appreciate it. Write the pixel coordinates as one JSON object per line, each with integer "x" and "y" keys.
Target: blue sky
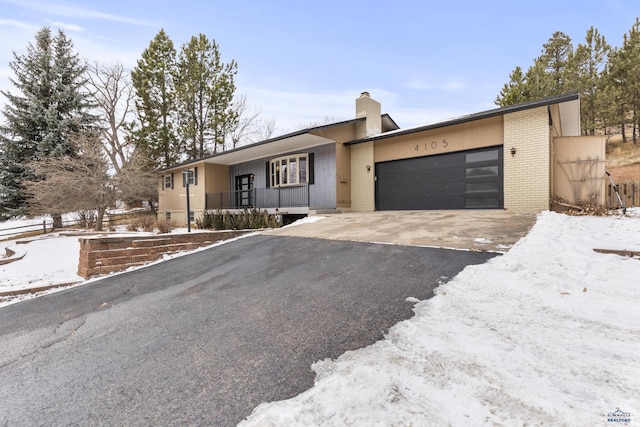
{"x": 301, "y": 62}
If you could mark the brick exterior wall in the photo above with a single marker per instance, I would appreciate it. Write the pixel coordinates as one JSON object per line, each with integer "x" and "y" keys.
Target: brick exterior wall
{"x": 103, "y": 255}
{"x": 527, "y": 173}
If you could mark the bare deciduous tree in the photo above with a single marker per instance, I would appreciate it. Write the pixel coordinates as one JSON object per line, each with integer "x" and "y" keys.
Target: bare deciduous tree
{"x": 250, "y": 128}
{"x": 73, "y": 182}
{"x": 112, "y": 91}
{"x": 137, "y": 182}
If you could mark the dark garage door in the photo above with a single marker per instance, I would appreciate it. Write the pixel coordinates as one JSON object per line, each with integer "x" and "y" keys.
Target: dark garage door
{"x": 462, "y": 180}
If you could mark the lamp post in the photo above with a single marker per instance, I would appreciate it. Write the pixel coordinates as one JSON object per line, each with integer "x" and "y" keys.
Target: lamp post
{"x": 187, "y": 175}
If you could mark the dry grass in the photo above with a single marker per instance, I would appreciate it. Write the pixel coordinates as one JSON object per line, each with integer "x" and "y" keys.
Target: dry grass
{"x": 622, "y": 154}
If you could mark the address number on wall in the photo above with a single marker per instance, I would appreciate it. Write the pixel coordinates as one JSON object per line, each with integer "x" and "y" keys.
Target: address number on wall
{"x": 433, "y": 145}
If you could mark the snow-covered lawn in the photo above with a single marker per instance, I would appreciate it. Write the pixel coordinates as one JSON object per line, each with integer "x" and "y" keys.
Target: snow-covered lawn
{"x": 547, "y": 334}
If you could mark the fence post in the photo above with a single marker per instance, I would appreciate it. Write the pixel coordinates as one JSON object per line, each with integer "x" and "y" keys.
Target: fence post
{"x": 44, "y": 226}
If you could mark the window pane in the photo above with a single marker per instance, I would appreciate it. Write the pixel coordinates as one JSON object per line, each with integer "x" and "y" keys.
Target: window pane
{"x": 303, "y": 170}
{"x": 482, "y": 202}
{"x": 277, "y": 172}
{"x": 481, "y": 156}
{"x": 293, "y": 171}
{"x": 271, "y": 178}
{"x": 283, "y": 172}
{"x": 483, "y": 186}
{"x": 481, "y": 171}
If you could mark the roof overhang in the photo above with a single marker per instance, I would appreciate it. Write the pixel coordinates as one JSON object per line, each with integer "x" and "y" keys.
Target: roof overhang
{"x": 275, "y": 148}
{"x": 570, "y": 112}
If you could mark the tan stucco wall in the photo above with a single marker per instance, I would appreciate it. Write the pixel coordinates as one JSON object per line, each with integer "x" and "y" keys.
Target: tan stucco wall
{"x": 362, "y": 178}
{"x": 578, "y": 169}
{"x": 481, "y": 133}
{"x": 527, "y": 174}
{"x": 343, "y": 177}
{"x": 214, "y": 178}
{"x": 342, "y": 133}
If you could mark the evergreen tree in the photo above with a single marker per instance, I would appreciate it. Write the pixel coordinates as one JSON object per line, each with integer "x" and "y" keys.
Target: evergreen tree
{"x": 587, "y": 65}
{"x": 539, "y": 83}
{"x": 555, "y": 60}
{"x": 630, "y": 61}
{"x": 205, "y": 89}
{"x": 50, "y": 105}
{"x": 615, "y": 105}
{"x": 513, "y": 92}
{"x": 153, "y": 82}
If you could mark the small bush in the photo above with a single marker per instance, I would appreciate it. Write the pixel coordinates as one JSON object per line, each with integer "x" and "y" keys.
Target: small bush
{"x": 248, "y": 219}
{"x": 165, "y": 226}
{"x": 86, "y": 219}
{"x": 144, "y": 223}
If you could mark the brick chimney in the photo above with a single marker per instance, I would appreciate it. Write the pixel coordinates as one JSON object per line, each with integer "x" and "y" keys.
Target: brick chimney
{"x": 371, "y": 110}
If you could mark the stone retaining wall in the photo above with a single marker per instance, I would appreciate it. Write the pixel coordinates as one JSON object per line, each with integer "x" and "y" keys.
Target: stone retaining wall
{"x": 103, "y": 255}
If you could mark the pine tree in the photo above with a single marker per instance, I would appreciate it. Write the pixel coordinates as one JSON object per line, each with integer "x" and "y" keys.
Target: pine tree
{"x": 615, "y": 106}
{"x": 513, "y": 92}
{"x": 205, "y": 89}
{"x": 555, "y": 60}
{"x": 153, "y": 80}
{"x": 50, "y": 105}
{"x": 630, "y": 60}
{"x": 587, "y": 65}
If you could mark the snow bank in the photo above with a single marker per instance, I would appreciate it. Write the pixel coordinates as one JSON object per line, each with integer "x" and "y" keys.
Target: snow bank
{"x": 547, "y": 334}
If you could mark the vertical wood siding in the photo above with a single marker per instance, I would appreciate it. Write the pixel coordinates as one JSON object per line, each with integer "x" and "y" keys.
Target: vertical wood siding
{"x": 322, "y": 193}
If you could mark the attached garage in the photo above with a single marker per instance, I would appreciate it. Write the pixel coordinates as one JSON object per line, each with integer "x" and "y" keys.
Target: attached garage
{"x": 461, "y": 180}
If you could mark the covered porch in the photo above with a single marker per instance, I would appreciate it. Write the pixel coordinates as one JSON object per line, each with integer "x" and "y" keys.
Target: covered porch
{"x": 279, "y": 199}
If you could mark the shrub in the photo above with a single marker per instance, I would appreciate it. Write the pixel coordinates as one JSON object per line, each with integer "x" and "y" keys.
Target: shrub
{"x": 165, "y": 226}
{"x": 86, "y": 219}
{"x": 247, "y": 219}
{"x": 144, "y": 223}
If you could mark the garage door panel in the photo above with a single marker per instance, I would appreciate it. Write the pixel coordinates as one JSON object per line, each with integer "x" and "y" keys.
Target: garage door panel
{"x": 471, "y": 179}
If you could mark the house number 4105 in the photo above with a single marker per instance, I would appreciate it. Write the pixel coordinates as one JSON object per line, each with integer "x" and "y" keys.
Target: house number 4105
{"x": 433, "y": 145}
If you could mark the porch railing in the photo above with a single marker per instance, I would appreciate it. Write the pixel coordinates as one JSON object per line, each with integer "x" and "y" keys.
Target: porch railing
{"x": 259, "y": 198}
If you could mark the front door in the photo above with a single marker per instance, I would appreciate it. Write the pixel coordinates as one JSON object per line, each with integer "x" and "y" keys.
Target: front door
{"x": 244, "y": 193}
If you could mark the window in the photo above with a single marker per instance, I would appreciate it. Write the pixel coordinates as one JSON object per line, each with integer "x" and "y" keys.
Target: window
{"x": 168, "y": 181}
{"x": 167, "y": 215}
{"x": 190, "y": 175}
{"x": 289, "y": 170}
{"x": 474, "y": 187}
{"x": 482, "y": 171}
{"x": 482, "y": 156}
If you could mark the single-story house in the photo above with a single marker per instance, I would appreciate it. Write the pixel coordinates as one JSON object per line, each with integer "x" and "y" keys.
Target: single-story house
{"x": 517, "y": 158}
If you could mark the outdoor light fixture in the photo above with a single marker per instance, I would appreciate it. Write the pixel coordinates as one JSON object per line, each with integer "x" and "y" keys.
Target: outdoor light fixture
{"x": 513, "y": 151}
{"x": 368, "y": 168}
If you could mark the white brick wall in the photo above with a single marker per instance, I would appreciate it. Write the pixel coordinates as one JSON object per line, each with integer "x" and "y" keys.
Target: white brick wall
{"x": 527, "y": 174}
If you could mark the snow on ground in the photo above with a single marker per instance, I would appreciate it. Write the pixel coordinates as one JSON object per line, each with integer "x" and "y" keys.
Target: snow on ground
{"x": 49, "y": 260}
{"x": 548, "y": 334}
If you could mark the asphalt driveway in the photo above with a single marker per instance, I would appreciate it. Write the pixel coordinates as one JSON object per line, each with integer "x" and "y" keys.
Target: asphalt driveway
{"x": 203, "y": 339}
